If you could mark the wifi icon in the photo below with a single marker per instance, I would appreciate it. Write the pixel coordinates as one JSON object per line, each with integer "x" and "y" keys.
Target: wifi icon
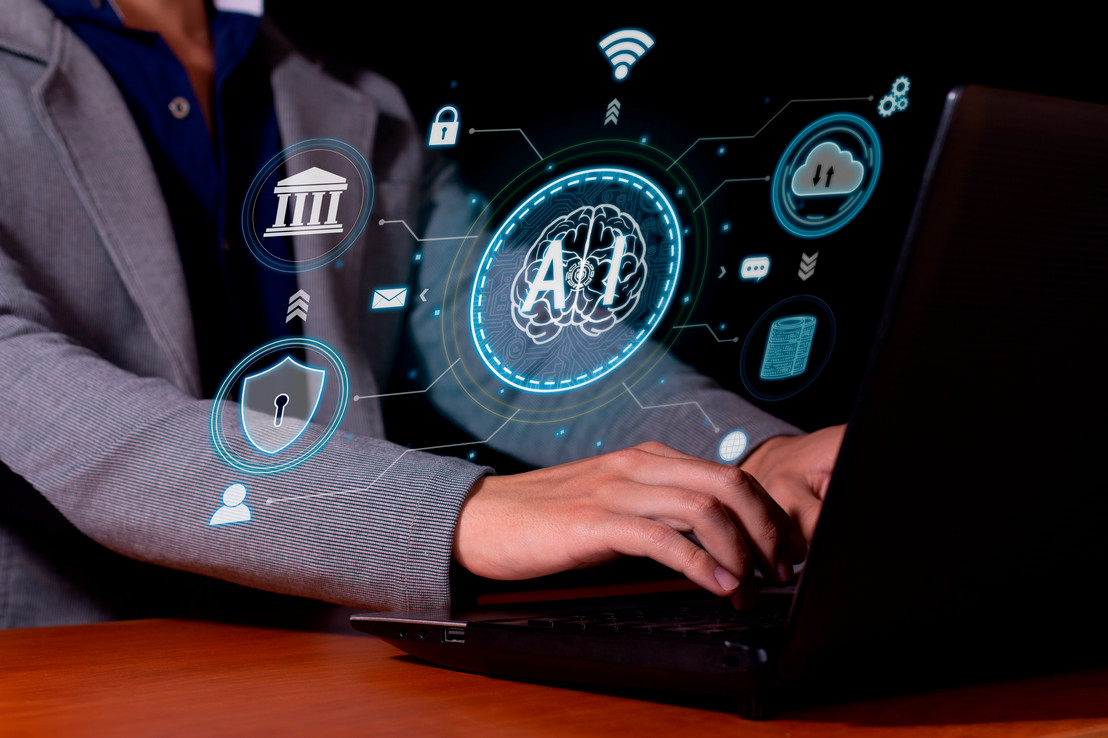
{"x": 623, "y": 48}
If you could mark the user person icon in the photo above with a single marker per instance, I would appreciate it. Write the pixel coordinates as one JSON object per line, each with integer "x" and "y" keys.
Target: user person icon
{"x": 234, "y": 510}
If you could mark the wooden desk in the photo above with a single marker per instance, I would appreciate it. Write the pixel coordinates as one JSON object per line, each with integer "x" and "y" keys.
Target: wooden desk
{"x": 180, "y": 677}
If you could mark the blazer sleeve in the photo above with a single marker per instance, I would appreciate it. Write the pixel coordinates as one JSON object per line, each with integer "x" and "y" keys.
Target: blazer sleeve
{"x": 129, "y": 461}
{"x": 98, "y": 417}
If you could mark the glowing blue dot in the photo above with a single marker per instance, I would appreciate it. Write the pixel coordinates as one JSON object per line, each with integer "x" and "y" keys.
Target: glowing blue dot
{"x": 338, "y": 264}
{"x": 644, "y": 138}
{"x": 680, "y": 191}
{"x": 417, "y": 256}
{"x": 550, "y": 167}
{"x": 686, "y": 299}
{"x": 662, "y": 380}
{"x": 559, "y": 433}
{"x": 721, "y": 151}
{"x": 471, "y": 455}
{"x": 599, "y": 442}
{"x": 687, "y": 230}
{"x": 453, "y": 83}
{"x": 723, "y": 326}
{"x": 473, "y": 200}
{"x": 436, "y": 312}
{"x": 725, "y": 227}
{"x": 413, "y": 373}
{"x": 500, "y": 391}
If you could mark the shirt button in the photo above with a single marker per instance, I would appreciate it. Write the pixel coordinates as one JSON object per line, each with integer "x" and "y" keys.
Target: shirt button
{"x": 179, "y": 107}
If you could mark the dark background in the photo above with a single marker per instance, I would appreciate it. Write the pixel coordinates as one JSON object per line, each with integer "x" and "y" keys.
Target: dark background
{"x": 708, "y": 75}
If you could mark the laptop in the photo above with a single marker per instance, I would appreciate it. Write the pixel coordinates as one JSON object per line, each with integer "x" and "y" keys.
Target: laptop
{"x": 961, "y": 537}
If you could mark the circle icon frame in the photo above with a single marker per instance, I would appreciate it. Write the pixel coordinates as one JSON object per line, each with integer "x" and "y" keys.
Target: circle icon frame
{"x": 563, "y": 185}
{"x": 219, "y": 441}
{"x": 787, "y": 205}
{"x": 254, "y": 192}
{"x": 507, "y": 402}
{"x": 757, "y": 335}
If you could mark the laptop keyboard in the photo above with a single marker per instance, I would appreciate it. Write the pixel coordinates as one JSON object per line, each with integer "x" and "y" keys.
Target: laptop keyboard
{"x": 707, "y": 620}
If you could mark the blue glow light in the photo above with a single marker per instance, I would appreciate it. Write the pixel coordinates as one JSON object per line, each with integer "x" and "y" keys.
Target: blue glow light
{"x": 541, "y": 299}
{"x": 282, "y": 461}
{"x": 850, "y": 133}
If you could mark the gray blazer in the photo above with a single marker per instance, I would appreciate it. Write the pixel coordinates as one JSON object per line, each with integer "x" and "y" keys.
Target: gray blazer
{"x": 102, "y": 435}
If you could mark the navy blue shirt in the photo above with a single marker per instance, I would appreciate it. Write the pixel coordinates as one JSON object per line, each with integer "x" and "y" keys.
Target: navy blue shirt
{"x": 237, "y": 303}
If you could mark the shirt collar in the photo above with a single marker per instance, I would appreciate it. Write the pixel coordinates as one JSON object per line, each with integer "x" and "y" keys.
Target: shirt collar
{"x": 249, "y": 7}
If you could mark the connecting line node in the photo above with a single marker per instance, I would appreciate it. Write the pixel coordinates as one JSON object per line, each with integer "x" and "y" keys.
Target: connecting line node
{"x": 404, "y": 223}
{"x": 355, "y": 398}
{"x": 509, "y": 130}
{"x": 715, "y": 428}
{"x": 705, "y": 325}
{"x": 273, "y": 501}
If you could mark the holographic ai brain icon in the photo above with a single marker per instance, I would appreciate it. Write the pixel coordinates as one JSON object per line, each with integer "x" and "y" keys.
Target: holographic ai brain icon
{"x": 586, "y": 272}
{"x": 575, "y": 280}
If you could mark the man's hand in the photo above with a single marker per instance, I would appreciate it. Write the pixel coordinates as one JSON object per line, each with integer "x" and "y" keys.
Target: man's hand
{"x": 640, "y": 501}
{"x": 796, "y": 470}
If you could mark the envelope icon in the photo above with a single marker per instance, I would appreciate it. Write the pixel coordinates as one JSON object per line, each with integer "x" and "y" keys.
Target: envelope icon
{"x": 387, "y": 298}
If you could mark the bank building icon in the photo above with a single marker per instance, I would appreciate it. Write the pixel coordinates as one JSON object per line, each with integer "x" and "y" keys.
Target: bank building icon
{"x": 309, "y": 191}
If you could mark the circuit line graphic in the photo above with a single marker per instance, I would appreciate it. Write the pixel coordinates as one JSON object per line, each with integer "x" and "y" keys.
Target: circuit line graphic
{"x": 273, "y": 501}
{"x": 671, "y": 404}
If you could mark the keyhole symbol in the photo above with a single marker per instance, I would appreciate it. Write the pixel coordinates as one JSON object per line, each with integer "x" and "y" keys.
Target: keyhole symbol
{"x": 444, "y": 132}
{"x": 279, "y": 402}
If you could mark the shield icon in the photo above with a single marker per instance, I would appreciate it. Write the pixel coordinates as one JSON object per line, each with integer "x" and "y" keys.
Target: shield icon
{"x": 276, "y": 404}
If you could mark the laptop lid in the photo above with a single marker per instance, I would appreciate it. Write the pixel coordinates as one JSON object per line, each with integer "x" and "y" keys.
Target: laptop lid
{"x": 961, "y": 534}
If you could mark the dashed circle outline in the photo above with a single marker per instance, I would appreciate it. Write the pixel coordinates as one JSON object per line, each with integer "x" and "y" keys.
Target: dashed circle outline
{"x": 622, "y": 176}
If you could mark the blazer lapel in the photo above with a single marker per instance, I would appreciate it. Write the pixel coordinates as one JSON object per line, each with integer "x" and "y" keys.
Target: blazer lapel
{"x": 88, "y": 121}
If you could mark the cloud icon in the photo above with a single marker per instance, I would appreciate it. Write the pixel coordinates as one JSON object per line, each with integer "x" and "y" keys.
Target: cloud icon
{"x": 828, "y": 170}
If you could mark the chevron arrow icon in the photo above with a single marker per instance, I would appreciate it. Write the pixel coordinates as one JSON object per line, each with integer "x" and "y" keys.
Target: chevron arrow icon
{"x": 612, "y": 115}
{"x": 298, "y": 306}
{"x": 807, "y": 266}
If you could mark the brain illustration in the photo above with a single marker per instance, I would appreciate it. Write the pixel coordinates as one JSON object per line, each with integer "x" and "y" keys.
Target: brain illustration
{"x": 586, "y": 270}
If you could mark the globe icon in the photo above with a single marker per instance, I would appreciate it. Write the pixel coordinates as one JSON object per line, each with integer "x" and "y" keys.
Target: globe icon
{"x": 732, "y": 446}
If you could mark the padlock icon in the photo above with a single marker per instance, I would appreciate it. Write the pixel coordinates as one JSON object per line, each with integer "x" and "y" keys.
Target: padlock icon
{"x": 444, "y": 132}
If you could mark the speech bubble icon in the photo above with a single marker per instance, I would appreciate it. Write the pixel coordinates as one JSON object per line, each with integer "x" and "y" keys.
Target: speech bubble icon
{"x": 754, "y": 267}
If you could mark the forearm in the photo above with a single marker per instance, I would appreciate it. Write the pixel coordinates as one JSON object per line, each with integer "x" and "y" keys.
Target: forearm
{"x": 129, "y": 462}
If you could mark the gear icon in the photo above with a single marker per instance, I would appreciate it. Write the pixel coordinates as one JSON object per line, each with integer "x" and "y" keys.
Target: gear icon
{"x": 901, "y": 103}
{"x": 900, "y": 86}
{"x": 887, "y": 106}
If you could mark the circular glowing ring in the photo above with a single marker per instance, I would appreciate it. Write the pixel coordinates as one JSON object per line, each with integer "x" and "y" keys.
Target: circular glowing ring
{"x": 781, "y": 198}
{"x": 247, "y": 219}
{"x": 827, "y": 342}
{"x": 489, "y": 354}
{"x": 281, "y": 344}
